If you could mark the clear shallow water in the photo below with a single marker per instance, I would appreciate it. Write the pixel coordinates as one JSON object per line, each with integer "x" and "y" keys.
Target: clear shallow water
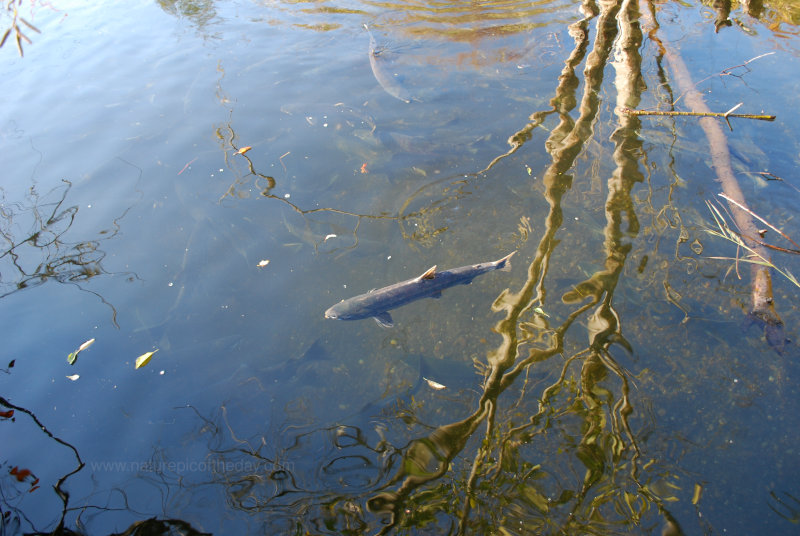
{"x": 258, "y": 415}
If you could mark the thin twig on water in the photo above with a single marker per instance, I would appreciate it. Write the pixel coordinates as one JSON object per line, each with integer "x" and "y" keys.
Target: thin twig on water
{"x": 724, "y": 115}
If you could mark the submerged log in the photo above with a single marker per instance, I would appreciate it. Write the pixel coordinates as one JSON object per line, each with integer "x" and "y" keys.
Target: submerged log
{"x": 762, "y": 309}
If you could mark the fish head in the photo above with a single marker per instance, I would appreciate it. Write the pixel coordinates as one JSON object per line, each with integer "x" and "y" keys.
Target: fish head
{"x": 338, "y": 311}
{"x": 347, "y": 310}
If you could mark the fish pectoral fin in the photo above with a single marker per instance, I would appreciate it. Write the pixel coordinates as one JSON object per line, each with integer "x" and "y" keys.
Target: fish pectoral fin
{"x": 384, "y": 320}
{"x": 430, "y": 273}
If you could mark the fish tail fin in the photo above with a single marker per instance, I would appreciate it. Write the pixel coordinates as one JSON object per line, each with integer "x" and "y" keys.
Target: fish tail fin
{"x": 504, "y": 264}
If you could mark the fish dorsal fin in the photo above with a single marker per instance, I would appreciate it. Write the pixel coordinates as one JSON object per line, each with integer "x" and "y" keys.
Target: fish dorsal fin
{"x": 429, "y": 274}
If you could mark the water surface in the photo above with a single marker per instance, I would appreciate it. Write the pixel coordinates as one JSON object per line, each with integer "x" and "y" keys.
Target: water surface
{"x": 206, "y": 179}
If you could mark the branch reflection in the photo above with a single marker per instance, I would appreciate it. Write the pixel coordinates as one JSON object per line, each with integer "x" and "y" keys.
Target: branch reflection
{"x": 37, "y": 248}
{"x": 568, "y": 462}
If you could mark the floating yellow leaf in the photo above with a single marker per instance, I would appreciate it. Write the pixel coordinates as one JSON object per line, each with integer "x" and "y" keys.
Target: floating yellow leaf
{"x": 85, "y": 345}
{"x": 144, "y": 359}
{"x": 243, "y": 150}
{"x": 698, "y": 492}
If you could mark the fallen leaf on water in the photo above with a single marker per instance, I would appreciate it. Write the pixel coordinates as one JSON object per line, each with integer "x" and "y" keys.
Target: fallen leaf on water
{"x": 144, "y": 359}
{"x": 72, "y": 357}
{"x": 243, "y": 150}
{"x": 73, "y": 377}
{"x": 262, "y": 263}
{"x": 7, "y": 414}
{"x": 328, "y": 237}
{"x": 698, "y": 492}
{"x": 20, "y": 474}
{"x": 434, "y": 385}
{"x": 364, "y": 168}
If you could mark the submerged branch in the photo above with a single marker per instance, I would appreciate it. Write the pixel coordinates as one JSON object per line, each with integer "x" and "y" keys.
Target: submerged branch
{"x": 762, "y": 309}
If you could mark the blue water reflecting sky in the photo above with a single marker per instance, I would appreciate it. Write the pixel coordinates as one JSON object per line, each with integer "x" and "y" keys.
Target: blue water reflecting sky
{"x": 134, "y": 215}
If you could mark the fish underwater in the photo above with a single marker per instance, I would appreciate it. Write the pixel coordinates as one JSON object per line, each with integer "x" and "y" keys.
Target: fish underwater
{"x": 377, "y": 303}
{"x": 379, "y": 61}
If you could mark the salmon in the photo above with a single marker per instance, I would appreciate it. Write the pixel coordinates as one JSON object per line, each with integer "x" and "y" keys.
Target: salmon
{"x": 430, "y": 284}
{"x": 381, "y": 68}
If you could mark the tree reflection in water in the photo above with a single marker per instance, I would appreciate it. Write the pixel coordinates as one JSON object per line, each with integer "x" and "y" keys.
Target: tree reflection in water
{"x": 571, "y": 458}
{"x": 37, "y": 248}
{"x": 590, "y": 476}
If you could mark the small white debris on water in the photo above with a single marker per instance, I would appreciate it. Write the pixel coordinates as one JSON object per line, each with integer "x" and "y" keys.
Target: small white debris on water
{"x": 73, "y": 377}
{"x": 329, "y": 236}
{"x": 88, "y": 206}
{"x": 576, "y": 218}
{"x": 221, "y": 170}
{"x": 434, "y": 385}
{"x": 286, "y": 196}
{"x": 262, "y": 263}
{"x": 169, "y": 284}
{"x": 325, "y": 125}
{"x": 161, "y": 373}
{"x": 389, "y": 258}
